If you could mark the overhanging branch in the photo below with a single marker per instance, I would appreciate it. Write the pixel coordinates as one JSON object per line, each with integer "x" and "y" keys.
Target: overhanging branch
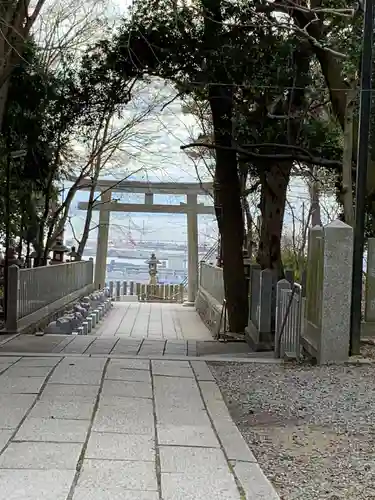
{"x": 306, "y": 158}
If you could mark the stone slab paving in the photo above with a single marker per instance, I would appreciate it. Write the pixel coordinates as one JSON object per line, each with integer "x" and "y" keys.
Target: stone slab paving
{"x": 31, "y": 343}
{"x": 151, "y": 348}
{"x": 153, "y": 320}
{"x": 132, "y": 329}
{"x": 81, "y": 428}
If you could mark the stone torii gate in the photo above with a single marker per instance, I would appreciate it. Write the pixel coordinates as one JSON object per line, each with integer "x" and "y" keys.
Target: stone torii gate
{"x": 191, "y": 208}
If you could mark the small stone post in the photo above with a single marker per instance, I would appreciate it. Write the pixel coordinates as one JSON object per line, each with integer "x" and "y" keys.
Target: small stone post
{"x": 265, "y": 301}
{"x": 258, "y": 332}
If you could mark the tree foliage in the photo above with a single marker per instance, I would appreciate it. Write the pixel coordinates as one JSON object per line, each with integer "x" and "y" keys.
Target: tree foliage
{"x": 274, "y": 76}
{"x": 283, "y": 107}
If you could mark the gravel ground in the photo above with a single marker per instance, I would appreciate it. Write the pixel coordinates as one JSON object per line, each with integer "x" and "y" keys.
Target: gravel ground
{"x": 312, "y": 429}
{"x": 368, "y": 349}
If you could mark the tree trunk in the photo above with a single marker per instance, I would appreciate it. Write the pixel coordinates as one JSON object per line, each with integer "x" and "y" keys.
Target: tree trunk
{"x": 340, "y": 91}
{"x": 96, "y": 168}
{"x": 273, "y": 197}
{"x": 227, "y": 201}
{"x": 16, "y": 22}
{"x": 347, "y": 162}
{"x": 86, "y": 229}
{"x": 227, "y": 183}
{"x": 275, "y": 178}
{"x": 314, "y": 194}
{"x": 4, "y": 90}
{"x": 249, "y": 227}
{"x": 331, "y": 66}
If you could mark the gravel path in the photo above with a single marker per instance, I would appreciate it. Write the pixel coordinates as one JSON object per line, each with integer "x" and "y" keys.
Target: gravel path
{"x": 312, "y": 429}
{"x": 368, "y": 349}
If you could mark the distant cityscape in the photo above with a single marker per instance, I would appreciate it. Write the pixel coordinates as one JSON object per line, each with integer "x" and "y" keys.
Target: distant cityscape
{"x": 128, "y": 261}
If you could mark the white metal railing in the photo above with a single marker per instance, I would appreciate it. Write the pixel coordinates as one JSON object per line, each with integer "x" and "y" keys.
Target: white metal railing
{"x": 30, "y": 290}
{"x": 211, "y": 279}
{"x": 289, "y": 320}
{"x": 211, "y": 252}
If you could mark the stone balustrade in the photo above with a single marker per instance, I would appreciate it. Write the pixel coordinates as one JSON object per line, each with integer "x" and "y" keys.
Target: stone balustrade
{"x": 37, "y": 293}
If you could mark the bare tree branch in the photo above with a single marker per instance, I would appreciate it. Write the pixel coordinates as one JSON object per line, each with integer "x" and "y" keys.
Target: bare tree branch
{"x": 309, "y": 159}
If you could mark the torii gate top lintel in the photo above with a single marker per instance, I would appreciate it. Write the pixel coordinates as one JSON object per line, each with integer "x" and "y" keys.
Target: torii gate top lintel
{"x": 127, "y": 186}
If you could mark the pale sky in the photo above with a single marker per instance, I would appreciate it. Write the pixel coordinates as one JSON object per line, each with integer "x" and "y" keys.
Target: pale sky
{"x": 156, "y": 147}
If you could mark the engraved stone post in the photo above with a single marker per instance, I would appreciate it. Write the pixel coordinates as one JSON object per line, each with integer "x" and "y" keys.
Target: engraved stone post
{"x": 336, "y": 293}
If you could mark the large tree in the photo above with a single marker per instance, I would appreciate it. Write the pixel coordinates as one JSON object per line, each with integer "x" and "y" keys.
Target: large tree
{"x": 38, "y": 113}
{"x": 16, "y": 21}
{"x": 255, "y": 78}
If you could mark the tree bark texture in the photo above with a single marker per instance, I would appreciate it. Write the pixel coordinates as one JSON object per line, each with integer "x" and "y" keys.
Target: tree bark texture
{"x": 16, "y": 21}
{"x": 273, "y": 197}
{"x": 275, "y": 176}
{"x": 227, "y": 188}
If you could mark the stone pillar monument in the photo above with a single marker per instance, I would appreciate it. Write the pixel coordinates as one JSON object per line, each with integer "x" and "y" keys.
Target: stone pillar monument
{"x": 328, "y": 294}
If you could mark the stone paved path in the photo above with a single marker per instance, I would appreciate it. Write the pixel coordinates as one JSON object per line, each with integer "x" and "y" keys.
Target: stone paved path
{"x": 134, "y": 329}
{"x": 74, "y": 344}
{"x": 153, "y": 320}
{"x": 81, "y": 428}
{"x": 90, "y": 345}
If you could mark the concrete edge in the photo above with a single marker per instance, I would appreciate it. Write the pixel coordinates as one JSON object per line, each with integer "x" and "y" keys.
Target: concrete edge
{"x": 8, "y": 339}
{"x": 207, "y": 359}
{"x": 214, "y": 359}
{"x": 241, "y": 459}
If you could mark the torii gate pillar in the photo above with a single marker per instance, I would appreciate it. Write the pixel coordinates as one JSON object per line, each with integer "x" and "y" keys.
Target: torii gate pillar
{"x": 102, "y": 242}
{"x": 192, "y": 241}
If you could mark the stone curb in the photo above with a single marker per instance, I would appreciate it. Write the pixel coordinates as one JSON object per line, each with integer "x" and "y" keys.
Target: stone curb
{"x": 241, "y": 459}
{"x": 359, "y": 361}
{"x": 12, "y": 337}
{"x": 217, "y": 359}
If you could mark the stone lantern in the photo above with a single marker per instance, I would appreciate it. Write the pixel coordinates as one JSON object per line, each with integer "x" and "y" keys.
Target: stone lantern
{"x": 12, "y": 257}
{"x": 58, "y": 249}
{"x": 73, "y": 255}
{"x": 32, "y": 257}
{"x": 7, "y": 260}
{"x": 153, "y": 268}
